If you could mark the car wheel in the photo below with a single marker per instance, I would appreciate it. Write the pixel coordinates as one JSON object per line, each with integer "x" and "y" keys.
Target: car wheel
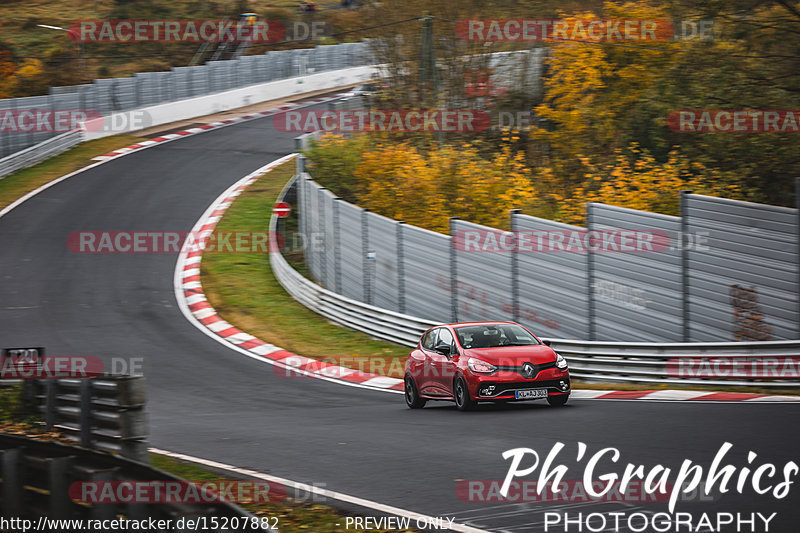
{"x": 558, "y": 400}
{"x": 412, "y": 396}
{"x": 461, "y": 395}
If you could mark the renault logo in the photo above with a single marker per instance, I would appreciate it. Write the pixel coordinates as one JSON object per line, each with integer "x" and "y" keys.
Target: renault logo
{"x": 527, "y": 370}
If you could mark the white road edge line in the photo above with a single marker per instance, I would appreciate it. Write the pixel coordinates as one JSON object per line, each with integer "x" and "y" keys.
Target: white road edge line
{"x": 388, "y": 509}
{"x": 184, "y": 306}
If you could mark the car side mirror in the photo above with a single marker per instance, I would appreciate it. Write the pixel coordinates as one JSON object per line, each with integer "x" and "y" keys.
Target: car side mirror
{"x": 546, "y": 342}
{"x": 443, "y": 349}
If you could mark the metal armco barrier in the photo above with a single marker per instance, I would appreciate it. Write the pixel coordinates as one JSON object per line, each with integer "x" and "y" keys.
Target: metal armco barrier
{"x": 35, "y": 478}
{"x": 39, "y": 152}
{"x": 106, "y": 413}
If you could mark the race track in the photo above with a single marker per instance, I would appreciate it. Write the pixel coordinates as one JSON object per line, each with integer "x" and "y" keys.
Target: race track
{"x": 209, "y": 401}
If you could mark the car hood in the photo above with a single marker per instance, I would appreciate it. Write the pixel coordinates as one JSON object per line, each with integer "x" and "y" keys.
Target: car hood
{"x": 514, "y": 355}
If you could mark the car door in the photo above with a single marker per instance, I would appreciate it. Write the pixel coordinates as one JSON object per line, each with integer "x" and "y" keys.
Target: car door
{"x": 443, "y": 366}
{"x": 424, "y": 382}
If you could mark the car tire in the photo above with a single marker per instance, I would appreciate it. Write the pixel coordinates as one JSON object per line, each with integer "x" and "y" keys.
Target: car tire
{"x": 413, "y": 399}
{"x": 558, "y": 400}
{"x": 461, "y": 395}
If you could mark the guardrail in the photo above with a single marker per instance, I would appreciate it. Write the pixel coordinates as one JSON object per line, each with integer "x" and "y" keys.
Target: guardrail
{"x": 39, "y": 152}
{"x": 369, "y": 319}
{"x": 106, "y": 413}
{"x": 588, "y": 360}
{"x": 35, "y": 481}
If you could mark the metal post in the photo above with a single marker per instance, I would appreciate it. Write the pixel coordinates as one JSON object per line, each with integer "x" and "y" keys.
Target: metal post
{"x": 401, "y": 268}
{"x": 337, "y": 246}
{"x": 797, "y": 242}
{"x": 58, "y": 470}
{"x": 50, "y": 404}
{"x": 11, "y": 488}
{"x": 683, "y": 239}
{"x": 323, "y": 263}
{"x": 590, "y": 277}
{"x": 366, "y": 268}
{"x": 85, "y": 423}
{"x": 514, "y": 268}
{"x": 453, "y": 274}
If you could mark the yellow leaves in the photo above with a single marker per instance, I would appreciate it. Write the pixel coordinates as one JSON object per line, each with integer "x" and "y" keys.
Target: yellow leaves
{"x": 638, "y": 181}
{"x": 426, "y": 188}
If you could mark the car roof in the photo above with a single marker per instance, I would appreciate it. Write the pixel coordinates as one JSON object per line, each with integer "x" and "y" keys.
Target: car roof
{"x": 488, "y": 323}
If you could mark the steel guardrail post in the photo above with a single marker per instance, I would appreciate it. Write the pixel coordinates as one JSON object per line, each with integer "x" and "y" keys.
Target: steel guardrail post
{"x": 11, "y": 488}
{"x": 590, "y": 276}
{"x": 323, "y": 264}
{"x": 514, "y": 267}
{"x": 797, "y": 243}
{"x": 683, "y": 239}
{"x": 86, "y": 413}
{"x": 58, "y": 479}
{"x": 50, "y": 404}
{"x": 366, "y": 265}
{"x": 337, "y": 246}
{"x": 401, "y": 267}
{"x": 453, "y": 275}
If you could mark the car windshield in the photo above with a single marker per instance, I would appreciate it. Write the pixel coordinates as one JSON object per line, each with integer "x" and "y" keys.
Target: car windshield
{"x": 494, "y": 335}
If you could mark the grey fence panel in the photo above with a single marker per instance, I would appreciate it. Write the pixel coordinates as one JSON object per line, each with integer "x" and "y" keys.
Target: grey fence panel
{"x": 383, "y": 263}
{"x": 638, "y": 296}
{"x": 427, "y": 274}
{"x": 314, "y": 256}
{"x": 742, "y": 283}
{"x": 351, "y": 251}
{"x": 182, "y": 82}
{"x": 326, "y": 240}
{"x": 106, "y": 96}
{"x": 552, "y": 286}
{"x": 484, "y": 286}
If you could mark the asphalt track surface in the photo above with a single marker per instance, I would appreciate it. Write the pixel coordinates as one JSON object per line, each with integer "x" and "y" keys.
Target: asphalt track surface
{"x": 209, "y": 401}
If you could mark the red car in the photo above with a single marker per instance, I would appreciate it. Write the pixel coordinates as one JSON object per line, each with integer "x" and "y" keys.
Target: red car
{"x": 484, "y": 361}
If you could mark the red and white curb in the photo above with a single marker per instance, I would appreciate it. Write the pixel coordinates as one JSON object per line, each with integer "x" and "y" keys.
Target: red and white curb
{"x": 681, "y": 396}
{"x": 196, "y": 308}
{"x": 211, "y": 126}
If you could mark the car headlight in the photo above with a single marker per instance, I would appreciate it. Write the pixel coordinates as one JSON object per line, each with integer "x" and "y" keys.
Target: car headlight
{"x": 561, "y": 363}
{"x": 480, "y": 367}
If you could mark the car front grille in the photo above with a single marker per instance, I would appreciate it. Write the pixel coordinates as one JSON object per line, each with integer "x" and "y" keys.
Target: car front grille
{"x": 520, "y": 369}
{"x": 492, "y": 390}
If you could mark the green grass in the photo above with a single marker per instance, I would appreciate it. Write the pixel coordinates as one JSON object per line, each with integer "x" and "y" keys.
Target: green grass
{"x": 243, "y": 290}
{"x": 19, "y": 183}
{"x": 292, "y": 518}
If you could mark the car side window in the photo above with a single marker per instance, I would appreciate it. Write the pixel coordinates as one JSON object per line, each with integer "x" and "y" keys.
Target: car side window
{"x": 445, "y": 337}
{"x": 429, "y": 339}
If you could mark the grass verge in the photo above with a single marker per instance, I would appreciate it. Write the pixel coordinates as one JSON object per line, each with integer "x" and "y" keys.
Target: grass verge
{"x": 24, "y": 181}
{"x": 243, "y": 290}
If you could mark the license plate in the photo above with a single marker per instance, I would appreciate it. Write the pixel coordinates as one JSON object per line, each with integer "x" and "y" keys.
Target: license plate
{"x": 528, "y": 394}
